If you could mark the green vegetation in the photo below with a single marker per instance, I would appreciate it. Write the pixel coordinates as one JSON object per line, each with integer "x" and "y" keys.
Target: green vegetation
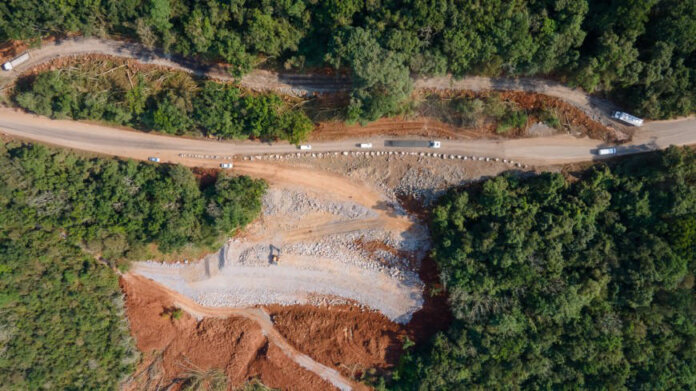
{"x": 552, "y": 283}
{"x": 479, "y": 111}
{"x": 196, "y": 379}
{"x": 170, "y": 102}
{"x": 62, "y": 324}
{"x": 255, "y": 385}
{"x": 639, "y": 51}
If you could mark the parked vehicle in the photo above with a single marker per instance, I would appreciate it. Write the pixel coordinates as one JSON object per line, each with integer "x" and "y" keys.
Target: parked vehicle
{"x": 434, "y": 144}
{"x": 8, "y": 66}
{"x": 305, "y": 147}
{"x": 226, "y": 165}
{"x": 606, "y": 151}
{"x": 627, "y": 118}
{"x": 153, "y": 159}
{"x": 365, "y": 145}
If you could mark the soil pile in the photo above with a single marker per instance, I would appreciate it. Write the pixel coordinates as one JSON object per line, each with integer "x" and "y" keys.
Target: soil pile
{"x": 175, "y": 350}
{"x": 344, "y": 337}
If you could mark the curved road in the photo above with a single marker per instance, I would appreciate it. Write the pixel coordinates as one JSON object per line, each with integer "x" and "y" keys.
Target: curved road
{"x": 140, "y": 145}
{"x": 297, "y": 84}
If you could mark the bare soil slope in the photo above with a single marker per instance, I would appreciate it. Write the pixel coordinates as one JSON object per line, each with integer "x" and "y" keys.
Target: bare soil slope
{"x": 172, "y": 348}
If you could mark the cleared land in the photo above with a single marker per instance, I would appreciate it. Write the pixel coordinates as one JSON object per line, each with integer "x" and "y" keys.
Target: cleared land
{"x": 312, "y": 220}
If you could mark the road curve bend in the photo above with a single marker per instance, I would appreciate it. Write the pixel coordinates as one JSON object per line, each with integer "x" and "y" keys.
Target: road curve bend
{"x": 293, "y": 83}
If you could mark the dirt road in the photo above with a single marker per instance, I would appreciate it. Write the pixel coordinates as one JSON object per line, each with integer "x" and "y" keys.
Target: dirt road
{"x": 140, "y": 145}
{"x": 297, "y": 84}
{"x": 264, "y": 321}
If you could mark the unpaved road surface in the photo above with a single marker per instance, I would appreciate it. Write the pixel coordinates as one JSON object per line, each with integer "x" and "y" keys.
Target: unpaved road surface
{"x": 297, "y": 84}
{"x": 312, "y": 219}
{"x": 140, "y": 145}
{"x": 264, "y": 321}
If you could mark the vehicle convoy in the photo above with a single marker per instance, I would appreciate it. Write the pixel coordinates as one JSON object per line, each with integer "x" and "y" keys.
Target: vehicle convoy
{"x": 606, "y": 151}
{"x": 8, "y": 66}
{"x": 627, "y": 118}
{"x": 412, "y": 143}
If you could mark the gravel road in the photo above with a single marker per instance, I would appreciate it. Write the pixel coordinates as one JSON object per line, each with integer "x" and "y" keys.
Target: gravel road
{"x": 558, "y": 149}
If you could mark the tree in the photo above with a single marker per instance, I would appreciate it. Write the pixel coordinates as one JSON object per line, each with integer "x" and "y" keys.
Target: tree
{"x": 381, "y": 81}
{"x": 552, "y": 282}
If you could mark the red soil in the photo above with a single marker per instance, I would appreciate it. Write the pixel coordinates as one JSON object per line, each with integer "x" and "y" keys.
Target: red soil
{"x": 174, "y": 347}
{"x": 425, "y": 127}
{"x": 347, "y": 338}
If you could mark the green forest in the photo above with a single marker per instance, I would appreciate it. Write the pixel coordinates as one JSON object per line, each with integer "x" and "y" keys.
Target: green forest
{"x": 62, "y": 323}
{"x": 154, "y": 99}
{"x": 557, "y": 283}
{"x": 640, "y": 52}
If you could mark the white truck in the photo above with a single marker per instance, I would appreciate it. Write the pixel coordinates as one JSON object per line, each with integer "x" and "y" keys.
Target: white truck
{"x": 8, "y": 66}
{"x": 412, "y": 143}
{"x": 627, "y": 118}
{"x": 365, "y": 145}
{"x": 606, "y": 151}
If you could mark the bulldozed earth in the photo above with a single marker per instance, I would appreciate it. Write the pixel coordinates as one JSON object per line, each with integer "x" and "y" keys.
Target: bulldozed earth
{"x": 350, "y": 282}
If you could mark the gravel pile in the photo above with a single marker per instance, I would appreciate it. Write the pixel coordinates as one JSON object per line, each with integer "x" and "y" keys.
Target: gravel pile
{"x": 296, "y": 203}
{"x": 329, "y": 268}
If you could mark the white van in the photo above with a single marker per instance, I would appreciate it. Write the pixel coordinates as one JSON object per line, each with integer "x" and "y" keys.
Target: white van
{"x": 434, "y": 144}
{"x": 305, "y": 147}
{"x": 627, "y": 118}
{"x": 153, "y": 159}
{"x": 225, "y": 165}
{"x": 365, "y": 145}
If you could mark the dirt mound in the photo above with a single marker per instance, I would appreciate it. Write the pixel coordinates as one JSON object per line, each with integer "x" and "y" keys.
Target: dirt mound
{"x": 572, "y": 116}
{"x": 425, "y": 127}
{"x": 176, "y": 349}
{"x": 347, "y": 338}
{"x": 11, "y": 49}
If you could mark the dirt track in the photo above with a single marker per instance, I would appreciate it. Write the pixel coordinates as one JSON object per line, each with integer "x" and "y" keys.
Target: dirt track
{"x": 297, "y": 84}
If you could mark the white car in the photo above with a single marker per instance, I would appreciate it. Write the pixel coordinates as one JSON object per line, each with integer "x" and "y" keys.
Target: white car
{"x": 365, "y": 145}
{"x": 606, "y": 151}
{"x": 226, "y": 165}
{"x": 305, "y": 147}
{"x": 434, "y": 144}
{"x": 153, "y": 159}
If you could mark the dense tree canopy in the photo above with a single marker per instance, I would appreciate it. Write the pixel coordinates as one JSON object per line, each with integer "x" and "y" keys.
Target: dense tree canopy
{"x": 640, "y": 51}
{"x": 170, "y": 102}
{"x": 62, "y": 323}
{"x": 555, "y": 283}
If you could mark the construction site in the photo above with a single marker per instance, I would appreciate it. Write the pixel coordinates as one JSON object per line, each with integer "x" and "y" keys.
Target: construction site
{"x": 333, "y": 279}
{"x": 338, "y": 251}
